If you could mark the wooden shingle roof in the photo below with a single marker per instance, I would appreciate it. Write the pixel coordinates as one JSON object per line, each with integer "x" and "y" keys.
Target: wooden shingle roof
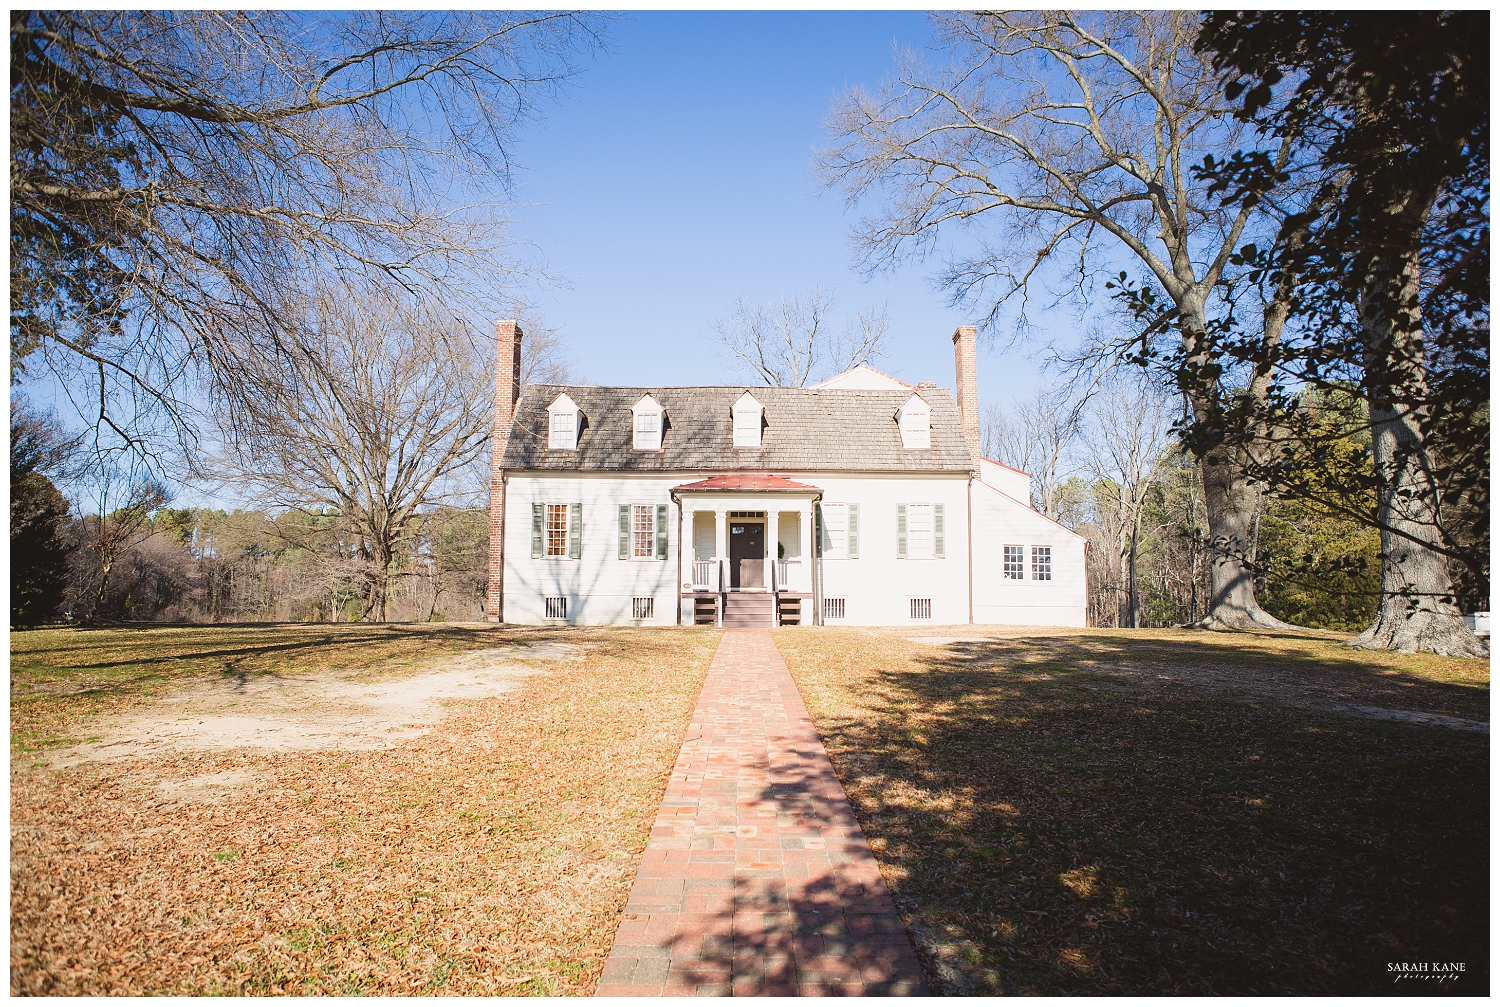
{"x": 805, "y": 429}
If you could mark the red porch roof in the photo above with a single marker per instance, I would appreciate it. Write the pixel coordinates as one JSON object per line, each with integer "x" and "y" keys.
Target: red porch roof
{"x": 747, "y": 482}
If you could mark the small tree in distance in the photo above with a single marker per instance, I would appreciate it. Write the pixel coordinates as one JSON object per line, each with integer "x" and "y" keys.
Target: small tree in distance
{"x": 790, "y": 342}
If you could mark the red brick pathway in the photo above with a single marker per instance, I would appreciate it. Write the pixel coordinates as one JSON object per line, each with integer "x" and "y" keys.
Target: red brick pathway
{"x": 757, "y": 878}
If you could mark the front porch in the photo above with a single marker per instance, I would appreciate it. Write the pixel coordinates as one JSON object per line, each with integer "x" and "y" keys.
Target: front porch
{"x": 748, "y": 549}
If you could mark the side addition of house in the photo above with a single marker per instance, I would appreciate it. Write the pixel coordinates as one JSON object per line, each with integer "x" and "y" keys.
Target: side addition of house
{"x": 859, "y": 501}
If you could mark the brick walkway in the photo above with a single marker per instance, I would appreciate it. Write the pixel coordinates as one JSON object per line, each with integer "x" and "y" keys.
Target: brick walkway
{"x": 757, "y": 878}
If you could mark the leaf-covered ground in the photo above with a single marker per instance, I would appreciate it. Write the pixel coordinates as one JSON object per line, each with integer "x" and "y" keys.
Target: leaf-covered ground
{"x": 1164, "y": 812}
{"x": 490, "y": 856}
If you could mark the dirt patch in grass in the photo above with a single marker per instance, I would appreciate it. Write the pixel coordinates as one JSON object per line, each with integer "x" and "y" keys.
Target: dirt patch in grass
{"x": 491, "y": 854}
{"x": 1161, "y": 812}
{"x": 345, "y": 711}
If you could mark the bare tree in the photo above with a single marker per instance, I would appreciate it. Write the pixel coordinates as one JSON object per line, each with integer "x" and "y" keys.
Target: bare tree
{"x": 546, "y": 359}
{"x": 124, "y": 496}
{"x": 171, "y": 170}
{"x": 1036, "y": 436}
{"x": 791, "y": 342}
{"x": 1070, "y": 133}
{"x": 383, "y": 410}
{"x": 1127, "y": 432}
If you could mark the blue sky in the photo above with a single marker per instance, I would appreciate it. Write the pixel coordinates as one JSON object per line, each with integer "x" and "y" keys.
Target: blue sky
{"x": 676, "y": 174}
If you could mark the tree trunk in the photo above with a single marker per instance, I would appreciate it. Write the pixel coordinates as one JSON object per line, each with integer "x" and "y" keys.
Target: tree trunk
{"x": 1417, "y": 607}
{"x": 1135, "y": 595}
{"x": 104, "y": 567}
{"x": 1229, "y": 498}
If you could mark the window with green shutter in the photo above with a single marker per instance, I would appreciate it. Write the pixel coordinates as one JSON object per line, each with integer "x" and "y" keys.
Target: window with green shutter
{"x": 920, "y": 531}
{"x": 624, "y": 531}
{"x": 901, "y": 531}
{"x": 536, "y": 530}
{"x": 661, "y": 531}
{"x": 575, "y": 531}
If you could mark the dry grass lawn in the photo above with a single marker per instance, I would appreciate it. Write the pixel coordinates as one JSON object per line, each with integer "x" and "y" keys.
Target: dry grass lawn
{"x": 1165, "y": 812}
{"x": 487, "y": 852}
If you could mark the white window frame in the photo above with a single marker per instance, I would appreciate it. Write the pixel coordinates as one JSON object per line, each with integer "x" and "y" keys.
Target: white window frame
{"x": 562, "y": 424}
{"x": 1020, "y": 562}
{"x": 835, "y": 530}
{"x": 1038, "y": 553}
{"x": 635, "y": 532}
{"x": 748, "y": 414}
{"x": 567, "y": 516}
{"x": 916, "y": 425}
{"x": 650, "y": 439}
{"x": 912, "y": 553}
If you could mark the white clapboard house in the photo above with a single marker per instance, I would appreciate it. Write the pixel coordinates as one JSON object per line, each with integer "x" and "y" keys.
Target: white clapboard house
{"x": 859, "y": 501}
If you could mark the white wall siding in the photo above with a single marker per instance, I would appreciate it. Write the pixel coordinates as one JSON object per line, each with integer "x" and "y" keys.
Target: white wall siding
{"x": 1012, "y": 482}
{"x": 599, "y": 585}
{"x": 878, "y": 587}
{"x": 999, "y": 521}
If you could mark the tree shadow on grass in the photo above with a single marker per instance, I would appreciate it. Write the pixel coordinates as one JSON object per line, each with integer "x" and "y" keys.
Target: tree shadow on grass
{"x": 1141, "y": 838}
{"x": 119, "y": 663}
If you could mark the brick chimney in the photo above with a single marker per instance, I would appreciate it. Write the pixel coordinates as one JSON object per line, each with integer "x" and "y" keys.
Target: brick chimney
{"x": 966, "y": 387}
{"x": 507, "y": 391}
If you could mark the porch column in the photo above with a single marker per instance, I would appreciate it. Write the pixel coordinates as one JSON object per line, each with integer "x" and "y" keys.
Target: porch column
{"x": 773, "y": 539}
{"x": 721, "y": 538}
{"x": 808, "y": 549}
{"x": 685, "y": 559}
{"x": 810, "y": 564}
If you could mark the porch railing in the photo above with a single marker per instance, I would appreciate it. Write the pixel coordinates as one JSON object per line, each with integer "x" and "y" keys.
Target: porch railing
{"x": 789, "y": 574}
{"x": 706, "y": 574}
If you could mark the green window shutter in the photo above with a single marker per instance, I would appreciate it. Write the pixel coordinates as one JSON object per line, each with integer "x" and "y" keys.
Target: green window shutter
{"x": 575, "y": 531}
{"x": 854, "y": 531}
{"x": 536, "y": 531}
{"x": 937, "y": 531}
{"x": 901, "y": 531}
{"x": 818, "y": 530}
{"x": 624, "y": 531}
{"x": 661, "y": 531}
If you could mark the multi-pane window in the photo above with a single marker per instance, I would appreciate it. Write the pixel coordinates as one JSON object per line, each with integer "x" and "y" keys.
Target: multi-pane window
{"x": 836, "y": 530}
{"x": 747, "y": 415}
{"x": 647, "y": 431}
{"x": 562, "y": 433}
{"x": 919, "y": 531}
{"x": 746, "y": 429}
{"x": 643, "y": 531}
{"x": 1041, "y": 562}
{"x": 916, "y": 424}
{"x": 1015, "y": 562}
{"x": 557, "y": 529}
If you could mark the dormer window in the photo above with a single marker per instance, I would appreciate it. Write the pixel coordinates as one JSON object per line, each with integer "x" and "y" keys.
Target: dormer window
{"x": 747, "y": 416}
{"x": 562, "y": 424}
{"x": 915, "y": 419}
{"x": 647, "y": 423}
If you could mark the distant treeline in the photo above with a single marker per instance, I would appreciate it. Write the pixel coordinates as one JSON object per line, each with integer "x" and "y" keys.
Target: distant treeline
{"x": 201, "y": 565}
{"x": 1316, "y": 570}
